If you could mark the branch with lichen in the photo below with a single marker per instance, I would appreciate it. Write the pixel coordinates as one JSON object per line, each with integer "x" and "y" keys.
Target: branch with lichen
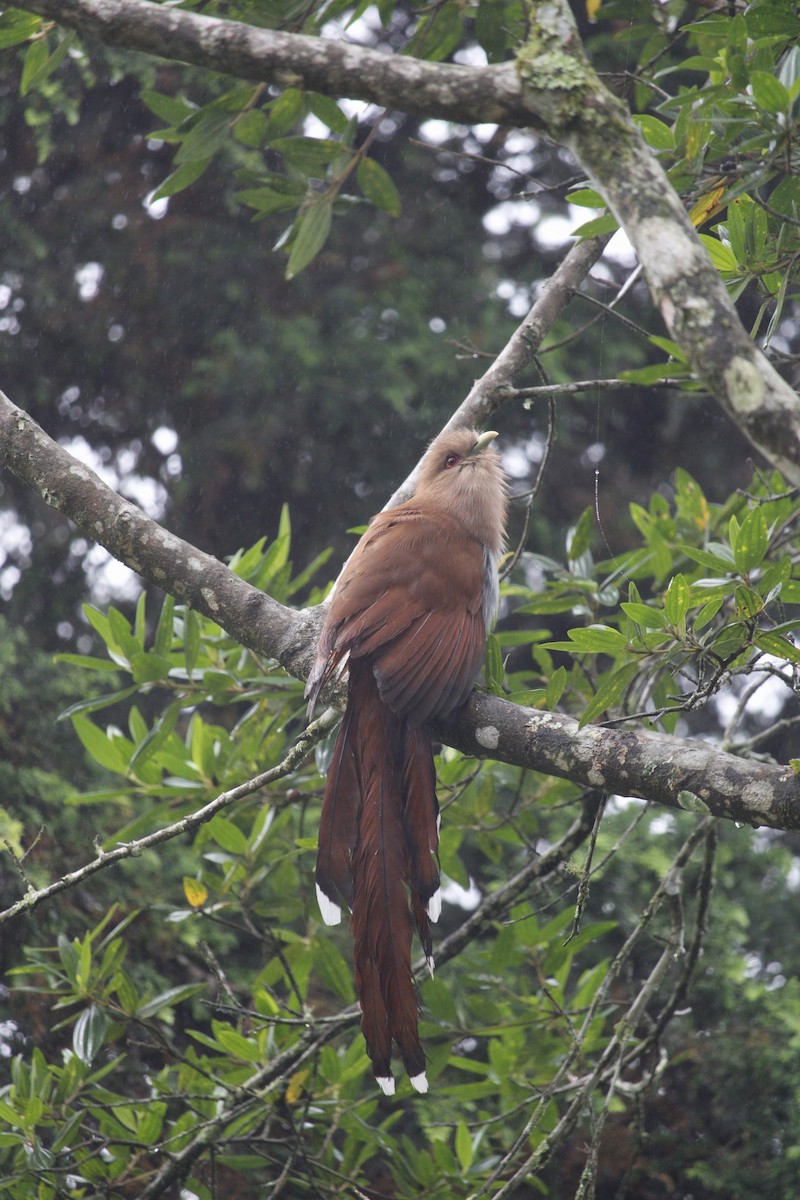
{"x": 553, "y": 88}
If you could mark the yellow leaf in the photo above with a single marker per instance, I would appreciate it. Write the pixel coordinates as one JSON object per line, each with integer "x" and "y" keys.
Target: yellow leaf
{"x": 593, "y": 8}
{"x": 196, "y": 893}
{"x": 294, "y": 1087}
{"x": 708, "y": 205}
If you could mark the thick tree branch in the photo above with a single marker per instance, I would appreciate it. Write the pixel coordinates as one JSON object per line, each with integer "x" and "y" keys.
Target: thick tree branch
{"x": 682, "y": 774}
{"x": 192, "y": 577}
{"x": 553, "y": 88}
{"x": 294, "y": 60}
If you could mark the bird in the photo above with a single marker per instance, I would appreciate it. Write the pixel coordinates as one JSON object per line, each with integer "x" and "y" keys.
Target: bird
{"x": 407, "y": 623}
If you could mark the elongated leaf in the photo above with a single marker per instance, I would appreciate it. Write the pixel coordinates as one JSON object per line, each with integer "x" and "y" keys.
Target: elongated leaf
{"x": 185, "y": 175}
{"x": 312, "y": 229}
{"x": 155, "y": 738}
{"x": 89, "y": 1034}
{"x": 168, "y": 999}
{"x": 204, "y": 138}
{"x": 610, "y": 691}
{"x": 751, "y": 541}
{"x": 101, "y": 747}
{"x": 778, "y": 646}
{"x": 16, "y": 27}
{"x": 644, "y": 614}
{"x": 769, "y": 93}
{"x": 676, "y": 601}
{"x": 657, "y": 133}
{"x": 167, "y": 108}
{"x": 378, "y": 186}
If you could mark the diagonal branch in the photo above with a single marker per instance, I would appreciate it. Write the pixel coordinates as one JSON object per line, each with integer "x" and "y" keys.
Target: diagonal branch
{"x": 553, "y": 88}
{"x": 681, "y": 774}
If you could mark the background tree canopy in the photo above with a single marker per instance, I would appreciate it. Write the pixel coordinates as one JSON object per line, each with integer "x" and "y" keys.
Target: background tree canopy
{"x": 255, "y": 254}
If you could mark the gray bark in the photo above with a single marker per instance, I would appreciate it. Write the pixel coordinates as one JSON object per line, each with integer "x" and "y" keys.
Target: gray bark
{"x": 681, "y": 774}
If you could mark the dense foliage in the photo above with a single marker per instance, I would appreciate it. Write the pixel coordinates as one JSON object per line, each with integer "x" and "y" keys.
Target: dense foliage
{"x": 616, "y": 1007}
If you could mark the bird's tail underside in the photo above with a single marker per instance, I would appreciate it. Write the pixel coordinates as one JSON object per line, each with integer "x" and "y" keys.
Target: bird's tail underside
{"x": 378, "y": 852}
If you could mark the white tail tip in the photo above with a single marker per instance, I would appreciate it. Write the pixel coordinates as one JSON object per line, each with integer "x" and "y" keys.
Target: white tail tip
{"x": 419, "y": 1082}
{"x": 331, "y": 913}
{"x": 429, "y": 963}
{"x": 434, "y": 905}
{"x": 386, "y": 1084}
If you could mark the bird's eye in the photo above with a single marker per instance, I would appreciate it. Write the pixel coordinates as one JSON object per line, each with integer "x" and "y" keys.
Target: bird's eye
{"x": 451, "y": 460}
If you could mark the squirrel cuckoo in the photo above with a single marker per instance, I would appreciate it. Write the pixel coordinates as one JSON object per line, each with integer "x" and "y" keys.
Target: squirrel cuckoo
{"x": 408, "y": 620}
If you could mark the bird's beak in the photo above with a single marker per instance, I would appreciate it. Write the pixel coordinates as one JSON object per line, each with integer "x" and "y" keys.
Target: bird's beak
{"x": 484, "y": 441}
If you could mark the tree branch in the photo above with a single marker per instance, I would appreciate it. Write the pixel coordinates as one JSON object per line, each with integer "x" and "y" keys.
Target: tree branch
{"x": 192, "y": 577}
{"x": 496, "y": 386}
{"x": 681, "y": 774}
{"x": 694, "y": 776}
{"x": 552, "y": 87}
{"x": 294, "y": 60}
{"x": 292, "y": 761}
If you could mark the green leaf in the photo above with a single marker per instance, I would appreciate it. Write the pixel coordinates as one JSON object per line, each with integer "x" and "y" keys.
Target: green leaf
{"x": 494, "y": 670}
{"x": 752, "y": 540}
{"x": 579, "y": 536}
{"x": 654, "y": 373}
{"x": 157, "y": 736}
{"x": 597, "y": 639}
{"x": 464, "y": 1149}
{"x": 167, "y": 108}
{"x": 205, "y": 137}
{"x": 285, "y": 112}
{"x": 378, "y": 187}
{"x": 164, "y": 630}
{"x": 89, "y": 1034}
{"x": 720, "y": 559}
{"x": 778, "y": 646}
{"x": 721, "y": 255}
{"x": 311, "y": 233}
{"x": 35, "y": 62}
{"x": 676, "y": 601}
{"x": 555, "y": 687}
{"x": 332, "y": 969}
{"x": 240, "y": 1047}
{"x": 100, "y": 746}
{"x": 251, "y": 128}
{"x": 657, "y": 133}
{"x": 608, "y": 223}
{"x": 643, "y": 614}
{"x": 16, "y": 27}
{"x": 309, "y": 155}
{"x": 769, "y": 93}
{"x": 191, "y": 639}
{"x": 586, "y": 198}
{"x": 49, "y": 66}
{"x": 168, "y": 999}
{"x": 500, "y": 26}
{"x": 668, "y": 346}
{"x": 185, "y": 175}
{"x": 609, "y": 692}
{"x": 227, "y": 835}
{"x": 328, "y": 111}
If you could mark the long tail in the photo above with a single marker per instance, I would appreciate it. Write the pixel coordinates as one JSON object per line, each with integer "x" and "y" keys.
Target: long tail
{"x": 378, "y": 846}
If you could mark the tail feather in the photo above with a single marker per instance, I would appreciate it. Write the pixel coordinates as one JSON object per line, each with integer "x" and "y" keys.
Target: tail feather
{"x": 378, "y": 845}
{"x": 381, "y": 920}
{"x": 378, "y": 851}
{"x": 338, "y": 828}
{"x": 420, "y": 822}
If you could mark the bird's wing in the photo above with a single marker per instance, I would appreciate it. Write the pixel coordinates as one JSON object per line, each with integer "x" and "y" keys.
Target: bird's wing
{"x": 411, "y": 599}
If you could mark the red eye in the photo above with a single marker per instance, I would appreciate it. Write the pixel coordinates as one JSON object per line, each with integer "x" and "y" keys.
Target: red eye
{"x": 451, "y": 460}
